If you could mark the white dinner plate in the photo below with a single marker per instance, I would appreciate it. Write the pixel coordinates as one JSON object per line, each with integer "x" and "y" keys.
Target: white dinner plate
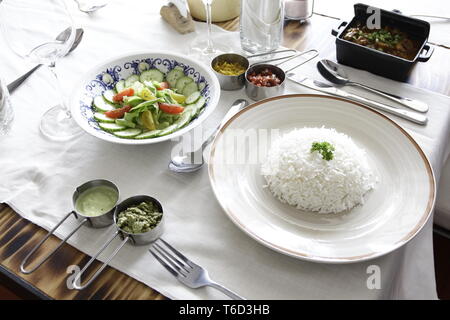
{"x": 393, "y": 213}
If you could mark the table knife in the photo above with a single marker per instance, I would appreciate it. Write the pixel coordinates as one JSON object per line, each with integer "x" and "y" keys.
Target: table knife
{"x": 326, "y": 88}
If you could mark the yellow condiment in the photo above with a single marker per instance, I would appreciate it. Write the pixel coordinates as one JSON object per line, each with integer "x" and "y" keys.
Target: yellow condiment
{"x": 229, "y": 68}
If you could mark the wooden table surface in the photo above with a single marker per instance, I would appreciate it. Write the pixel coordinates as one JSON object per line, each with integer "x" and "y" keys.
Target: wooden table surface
{"x": 18, "y": 236}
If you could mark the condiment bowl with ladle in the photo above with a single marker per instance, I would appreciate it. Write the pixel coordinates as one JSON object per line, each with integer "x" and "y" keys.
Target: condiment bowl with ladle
{"x": 91, "y": 216}
{"x": 136, "y": 239}
{"x": 256, "y": 92}
{"x": 259, "y": 92}
{"x": 237, "y": 81}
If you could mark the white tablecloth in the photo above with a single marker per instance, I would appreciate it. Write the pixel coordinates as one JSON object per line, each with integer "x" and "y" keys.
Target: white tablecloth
{"x": 38, "y": 178}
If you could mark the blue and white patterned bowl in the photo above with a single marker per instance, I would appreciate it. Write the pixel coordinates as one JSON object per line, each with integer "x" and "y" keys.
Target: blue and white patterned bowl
{"x": 105, "y": 76}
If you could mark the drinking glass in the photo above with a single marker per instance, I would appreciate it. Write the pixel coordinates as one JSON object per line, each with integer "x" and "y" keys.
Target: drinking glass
{"x": 6, "y": 112}
{"x": 207, "y": 49}
{"x": 300, "y": 10}
{"x": 31, "y": 28}
{"x": 261, "y": 25}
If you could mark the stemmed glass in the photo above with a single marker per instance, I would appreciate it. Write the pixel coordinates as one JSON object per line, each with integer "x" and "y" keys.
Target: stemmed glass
{"x": 207, "y": 49}
{"x": 31, "y": 28}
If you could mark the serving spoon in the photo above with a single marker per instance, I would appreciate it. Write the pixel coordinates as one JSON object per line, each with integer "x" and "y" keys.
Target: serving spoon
{"x": 186, "y": 162}
{"x": 336, "y": 74}
{"x": 61, "y": 37}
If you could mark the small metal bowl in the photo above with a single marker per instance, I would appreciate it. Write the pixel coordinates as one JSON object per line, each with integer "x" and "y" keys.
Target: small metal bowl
{"x": 255, "y": 92}
{"x": 104, "y": 219}
{"x": 99, "y": 221}
{"x": 231, "y": 82}
{"x": 146, "y": 237}
{"x": 136, "y": 239}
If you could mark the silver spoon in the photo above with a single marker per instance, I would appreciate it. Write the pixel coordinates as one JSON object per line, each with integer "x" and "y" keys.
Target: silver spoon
{"x": 334, "y": 73}
{"x": 90, "y": 6}
{"x": 61, "y": 37}
{"x": 186, "y": 162}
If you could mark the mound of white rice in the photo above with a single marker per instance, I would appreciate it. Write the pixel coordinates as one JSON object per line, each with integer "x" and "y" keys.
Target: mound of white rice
{"x": 303, "y": 179}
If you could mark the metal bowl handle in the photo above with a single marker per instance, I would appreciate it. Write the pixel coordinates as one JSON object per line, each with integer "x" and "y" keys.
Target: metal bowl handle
{"x": 41, "y": 262}
{"x": 335, "y": 31}
{"x": 314, "y": 52}
{"x": 426, "y": 53}
{"x": 77, "y": 280}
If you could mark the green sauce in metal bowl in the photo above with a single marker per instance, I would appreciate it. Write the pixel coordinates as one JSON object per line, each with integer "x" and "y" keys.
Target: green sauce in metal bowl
{"x": 139, "y": 218}
{"x": 96, "y": 201}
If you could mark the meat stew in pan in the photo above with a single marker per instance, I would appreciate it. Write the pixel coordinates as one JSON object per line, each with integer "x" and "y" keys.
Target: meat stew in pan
{"x": 387, "y": 39}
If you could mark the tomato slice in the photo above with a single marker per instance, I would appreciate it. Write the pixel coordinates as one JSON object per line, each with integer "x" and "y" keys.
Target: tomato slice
{"x": 171, "y": 108}
{"x": 127, "y": 92}
{"x": 163, "y": 85}
{"x": 117, "y": 113}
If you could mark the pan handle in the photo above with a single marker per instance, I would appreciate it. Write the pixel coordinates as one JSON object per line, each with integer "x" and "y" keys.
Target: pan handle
{"x": 48, "y": 256}
{"x": 271, "y": 53}
{"x": 426, "y": 53}
{"x": 77, "y": 280}
{"x": 335, "y": 31}
{"x": 314, "y": 52}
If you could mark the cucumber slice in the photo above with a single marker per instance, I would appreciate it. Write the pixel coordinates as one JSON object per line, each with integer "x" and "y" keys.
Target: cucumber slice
{"x": 193, "y": 97}
{"x": 111, "y": 127}
{"x": 152, "y": 75}
{"x": 120, "y": 85}
{"x": 101, "y": 117}
{"x": 190, "y": 111}
{"x": 183, "y": 120}
{"x": 108, "y": 96}
{"x": 198, "y": 106}
{"x": 182, "y": 82}
{"x": 170, "y": 129}
{"x": 130, "y": 80}
{"x": 189, "y": 89}
{"x": 128, "y": 133}
{"x": 148, "y": 134}
{"x": 101, "y": 105}
{"x": 173, "y": 76}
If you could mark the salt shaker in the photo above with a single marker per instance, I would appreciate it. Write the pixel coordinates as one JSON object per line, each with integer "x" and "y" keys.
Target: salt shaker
{"x": 6, "y": 111}
{"x": 261, "y": 25}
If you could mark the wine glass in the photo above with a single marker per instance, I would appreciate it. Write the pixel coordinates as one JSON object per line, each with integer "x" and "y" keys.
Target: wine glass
{"x": 207, "y": 49}
{"x": 31, "y": 29}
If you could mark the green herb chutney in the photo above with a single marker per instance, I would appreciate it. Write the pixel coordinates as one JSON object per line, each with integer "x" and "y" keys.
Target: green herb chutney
{"x": 96, "y": 201}
{"x": 139, "y": 218}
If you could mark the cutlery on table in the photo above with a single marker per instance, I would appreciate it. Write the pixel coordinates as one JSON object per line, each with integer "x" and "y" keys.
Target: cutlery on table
{"x": 61, "y": 37}
{"x": 336, "y": 74}
{"x": 326, "y": 88}
{"x": 186, "y": 162}
{"x": 186, "y": 271}
{"x": 87, "y": 6}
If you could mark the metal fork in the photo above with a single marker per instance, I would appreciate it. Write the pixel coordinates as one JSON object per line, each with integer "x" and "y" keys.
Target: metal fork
{"x": 186, "y": 271}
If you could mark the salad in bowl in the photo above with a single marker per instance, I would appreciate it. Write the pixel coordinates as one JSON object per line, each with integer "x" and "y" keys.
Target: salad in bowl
{"x": 145, "y": 98}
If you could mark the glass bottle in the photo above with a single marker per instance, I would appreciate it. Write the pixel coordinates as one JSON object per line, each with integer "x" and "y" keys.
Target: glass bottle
{"x": 261, "y": 25}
